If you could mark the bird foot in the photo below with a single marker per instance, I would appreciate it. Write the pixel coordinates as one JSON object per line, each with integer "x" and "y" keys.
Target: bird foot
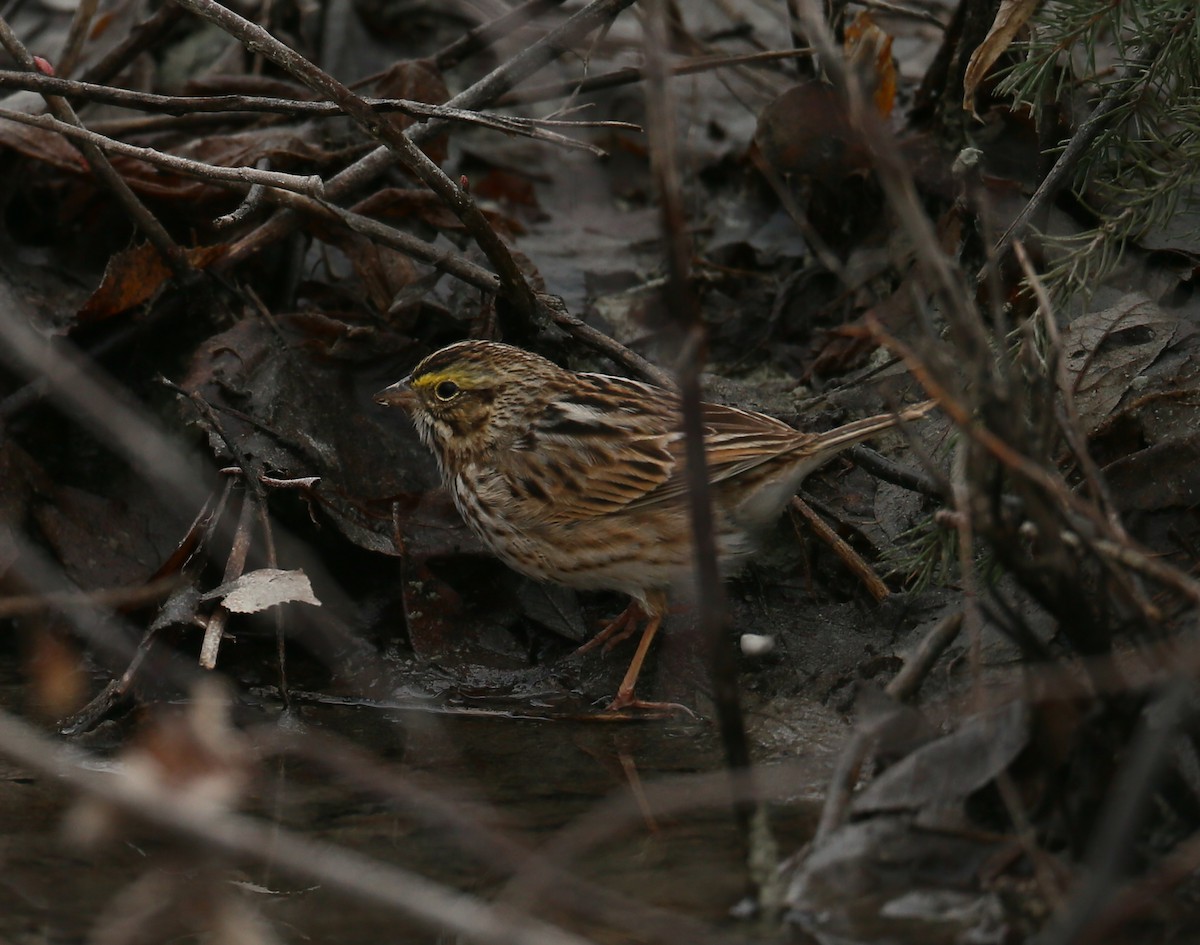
{"x": 620, "y": 628}
{"x": 629, "y": 701}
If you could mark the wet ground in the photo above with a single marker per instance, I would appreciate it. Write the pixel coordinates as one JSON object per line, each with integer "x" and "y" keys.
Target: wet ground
{"x": 529, "y": 780}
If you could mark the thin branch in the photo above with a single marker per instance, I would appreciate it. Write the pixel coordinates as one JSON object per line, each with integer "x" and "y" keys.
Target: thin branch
{"x": 446, "y": 260}
{"x": 610, "y": 347}
{"x": 904, "y": 684}
{"x": 849, "y": 557}
{"x": 896, "y": 9}
{"x": 488, "y": 34}
{"x": 81, "y": 24}
{"x": 310, "y": 185}
{"x": 258, "y": 40}
{"x": 234, "y": 105}
{"x": 142, "y": 218}
{"x": 439, "y": 808}
{"x": 124, "y": 598}
{"x": 488, "y": 89}
{"x": 1084, "y": 135}
{"x": 1130, "y": 796}
{"x": 633, "y": 74}
{"x": 712, "y": 607}
{"x": 142, "y": 37}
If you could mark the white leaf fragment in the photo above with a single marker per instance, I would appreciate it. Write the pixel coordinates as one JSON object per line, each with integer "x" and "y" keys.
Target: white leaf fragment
{"x": 266, "y": 587}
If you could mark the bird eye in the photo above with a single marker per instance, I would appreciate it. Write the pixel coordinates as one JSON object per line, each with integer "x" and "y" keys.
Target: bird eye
{"x": 446, "y": 390}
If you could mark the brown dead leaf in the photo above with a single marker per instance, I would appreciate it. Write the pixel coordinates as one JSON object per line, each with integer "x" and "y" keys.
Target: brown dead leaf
{"x": 1011, "y": 16}
{"x": 383, "y": 272}
{"x": 417, "y": 80}
{"x": 1163, "y": 476}
{"x": 59, "y": 684}
{"x": 870, "y": 49}
{"x": 41, "y": 145}
{"x": 805, "y": 133}
{"x": 135, "y": 275}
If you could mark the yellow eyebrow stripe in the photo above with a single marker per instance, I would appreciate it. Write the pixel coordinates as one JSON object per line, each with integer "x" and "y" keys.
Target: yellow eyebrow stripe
{"x": 436, "y": 377}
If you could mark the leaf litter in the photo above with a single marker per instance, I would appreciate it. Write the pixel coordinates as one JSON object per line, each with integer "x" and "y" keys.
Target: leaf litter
{"x": 290, "y": 321}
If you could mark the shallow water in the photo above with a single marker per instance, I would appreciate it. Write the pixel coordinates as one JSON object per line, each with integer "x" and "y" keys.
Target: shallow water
{"x": 528, "y": 780}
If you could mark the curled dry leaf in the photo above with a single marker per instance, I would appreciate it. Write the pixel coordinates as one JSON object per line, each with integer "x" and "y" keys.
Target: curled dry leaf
{"x": 266, "y": 587}
{"x": 870, "y": 49}
{"x": 1009, "y": 19}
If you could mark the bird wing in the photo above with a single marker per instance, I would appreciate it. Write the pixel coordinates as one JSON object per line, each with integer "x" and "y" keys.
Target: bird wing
{"x": 614, "y": 443}
{"x": 605, "y": 444}
{"x": 735, "y": 441}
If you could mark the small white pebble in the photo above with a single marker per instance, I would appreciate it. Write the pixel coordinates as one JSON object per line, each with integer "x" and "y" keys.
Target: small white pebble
{"x": 755, "y": 644}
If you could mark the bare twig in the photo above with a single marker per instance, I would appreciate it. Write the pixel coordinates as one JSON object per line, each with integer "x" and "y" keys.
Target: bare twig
{"x": 456, "y": 265}
{"x": 234, "y": 105}
{"x": 1067, "y": 161}
{"x": 1146, "y": 895}
{"x": 235, "y": 565}
{"x": 253, "y": 201}
{"x": 476, "y": 833}
{"x": 1130, "y": 796}
{"x": 712, "y": 607}
{"x": 879, "y": 466}
{"x": 897, "y": 10}
{"x": 258, "y": 40}
{"x": 1071, "y": 426}
{"x": 845, "y": 776}
{"x": 111, "y": 598}
{"x": 488, "y": 34}
{"x": 142, "y": 218}
{"x": 851, "y": 558}
{"x": 916, "y": 667}
{"x": 310, "y": 185}
{"x": 487, "y": 89}
{"x": 632, "y": 75}
{"x": 80, "y": 24}
{"x": 607, "y": 346}
{"x": 142, "y": 36}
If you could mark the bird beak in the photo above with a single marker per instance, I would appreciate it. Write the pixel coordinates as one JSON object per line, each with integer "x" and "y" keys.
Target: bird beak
{"x": 399, "y": 394}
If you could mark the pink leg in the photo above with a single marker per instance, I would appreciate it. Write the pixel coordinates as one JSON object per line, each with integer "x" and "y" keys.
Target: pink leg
{"x": 620, "y": 628}
{"x": 625, "y": 699}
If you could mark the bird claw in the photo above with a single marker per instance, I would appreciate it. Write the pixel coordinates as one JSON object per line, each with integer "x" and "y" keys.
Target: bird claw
{"x": 629, "y": 701}
{"x": 620, "y": 628}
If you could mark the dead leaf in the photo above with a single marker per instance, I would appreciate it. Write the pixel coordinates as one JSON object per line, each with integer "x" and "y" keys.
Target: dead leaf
{"x": 1165, "y": 475}
{"x": 133, "y": 276}
{"x": 1009, "y": 19}
{"x": 59, "y": 684}
{"x": 417, "y": 80}
{"x": 42, "y": 145}
{"x": 266, "y": 587}
{"x": 952, "y": 767}
{"x": 1106, "y": 353}
{"x": 870, "y": 49}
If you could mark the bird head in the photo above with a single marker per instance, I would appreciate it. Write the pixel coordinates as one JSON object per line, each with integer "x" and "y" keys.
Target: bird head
{"x": 471, "y": 394}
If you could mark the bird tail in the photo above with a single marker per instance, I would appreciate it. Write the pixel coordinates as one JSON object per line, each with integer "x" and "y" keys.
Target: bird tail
{"x": 841, "y": 437}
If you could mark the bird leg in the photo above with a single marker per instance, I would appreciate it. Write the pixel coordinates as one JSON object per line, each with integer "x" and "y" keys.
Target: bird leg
{"x": 620, "y": 628}
{"x": 625, "y": 699}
